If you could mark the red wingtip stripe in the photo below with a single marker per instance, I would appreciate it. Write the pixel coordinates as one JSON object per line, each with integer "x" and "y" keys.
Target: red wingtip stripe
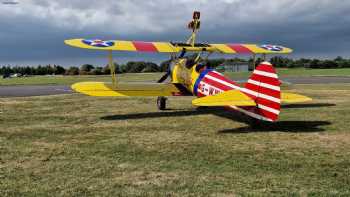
{"x": 144, "y": 46}
{"x": 239, "y": 48}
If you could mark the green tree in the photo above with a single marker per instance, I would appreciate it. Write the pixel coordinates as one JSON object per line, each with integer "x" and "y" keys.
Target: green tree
{"x": 59, "y": 70}
{"x": 72, "y": 71}
{"x": 6, "y": 70}
{"x": 106, "y": 70}
{"x": 134, "y": 67}
{"x": 339, "y": 59}
{"x": 315, "y": 63}
{"x": 96, "y": 71}
{"x": 151, "y": 67}
{"x": 329, "y": 64}
{"x": 281, "y": 62}
{"x": 86, "y": 69}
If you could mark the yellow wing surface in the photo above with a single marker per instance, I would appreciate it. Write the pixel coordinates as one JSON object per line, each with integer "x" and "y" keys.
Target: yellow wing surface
{"x": 126, "y": 89}
{"x": 251, "y": 49}
{"x": 228, "y": 98}
{"x": 237, "y": 98}
{"x": 290, "y": 98}
{"x": 121, "y": 45}
{"x": 171, "y": 47}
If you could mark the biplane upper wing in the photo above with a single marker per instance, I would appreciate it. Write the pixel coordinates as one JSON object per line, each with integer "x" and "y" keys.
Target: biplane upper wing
{"x": 128, "y": 89}
{"x": 251, "y": 49}
{"x": 122, "y": 45}
{"x": 174, "y": 47}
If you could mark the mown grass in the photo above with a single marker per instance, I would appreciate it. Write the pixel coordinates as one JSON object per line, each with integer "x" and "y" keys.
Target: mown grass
{"x": 74, "y": 145}
{"x": 68, "y": 80}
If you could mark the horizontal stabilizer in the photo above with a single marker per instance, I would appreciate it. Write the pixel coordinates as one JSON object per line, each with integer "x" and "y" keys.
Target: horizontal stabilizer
{"x": 290, "y": 98}
{"x": 228, "y": 98}
{"x": 126, "y": 89}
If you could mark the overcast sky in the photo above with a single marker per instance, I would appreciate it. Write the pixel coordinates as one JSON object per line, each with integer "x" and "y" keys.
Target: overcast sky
{"x": 32, "y": 31}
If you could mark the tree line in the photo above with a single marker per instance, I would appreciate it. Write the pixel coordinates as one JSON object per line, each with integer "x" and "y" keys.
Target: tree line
{"x": 142, "y": 67}
{"x": 85, "y": 69}
{"x": 284, "y": 62}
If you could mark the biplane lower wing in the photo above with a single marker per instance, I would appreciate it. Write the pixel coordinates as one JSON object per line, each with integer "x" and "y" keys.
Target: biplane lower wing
{"x": 128, "y": 89}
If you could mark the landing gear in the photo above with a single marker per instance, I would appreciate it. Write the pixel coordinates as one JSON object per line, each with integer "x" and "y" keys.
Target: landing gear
{"x": 161, "y": 102}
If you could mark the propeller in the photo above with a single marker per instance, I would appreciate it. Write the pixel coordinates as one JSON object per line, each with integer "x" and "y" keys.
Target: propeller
{"x": 164, "y": 77}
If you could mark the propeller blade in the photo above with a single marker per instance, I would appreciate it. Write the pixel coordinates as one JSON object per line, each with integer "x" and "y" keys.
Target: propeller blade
{"x": 163, "y": 78}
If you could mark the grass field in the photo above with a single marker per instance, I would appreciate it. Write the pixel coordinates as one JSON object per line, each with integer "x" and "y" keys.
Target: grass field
{"x": 74, "y": 145}
{"x": 68, "y": 80}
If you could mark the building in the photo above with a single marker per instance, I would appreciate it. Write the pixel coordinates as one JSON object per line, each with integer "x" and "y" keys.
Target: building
{"x": 230, "y": 66}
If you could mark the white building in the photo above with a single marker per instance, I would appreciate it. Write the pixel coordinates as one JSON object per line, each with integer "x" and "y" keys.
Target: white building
{"x": 230, "y": 66}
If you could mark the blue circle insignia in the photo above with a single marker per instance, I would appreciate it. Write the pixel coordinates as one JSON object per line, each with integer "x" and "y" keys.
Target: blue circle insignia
{"x": 272, "y": 47}
{"x": 98, "y": 43}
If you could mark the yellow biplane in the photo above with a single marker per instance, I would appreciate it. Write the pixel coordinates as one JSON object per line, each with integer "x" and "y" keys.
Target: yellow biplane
{"x": 260, "y": 97}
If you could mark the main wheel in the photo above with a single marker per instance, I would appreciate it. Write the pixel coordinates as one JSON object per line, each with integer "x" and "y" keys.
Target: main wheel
{"x": 161, "y": 102}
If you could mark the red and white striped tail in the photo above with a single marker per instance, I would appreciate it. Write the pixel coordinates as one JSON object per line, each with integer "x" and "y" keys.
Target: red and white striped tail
{"x": 264, "y": 87}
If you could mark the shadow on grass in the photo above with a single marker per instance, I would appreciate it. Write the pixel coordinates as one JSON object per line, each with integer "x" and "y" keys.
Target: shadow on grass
{"x": 310, "y": 105}
{"x": 160, "y": 114}
{"x": 252, "y": 124}
{"x": 280, "y": 126}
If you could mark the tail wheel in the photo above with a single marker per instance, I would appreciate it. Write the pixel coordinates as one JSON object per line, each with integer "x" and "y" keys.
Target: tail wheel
{"x": 161, "y": 102}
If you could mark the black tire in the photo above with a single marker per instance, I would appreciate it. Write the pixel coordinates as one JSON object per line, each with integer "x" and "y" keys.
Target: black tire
{"x": 161, "y": 103}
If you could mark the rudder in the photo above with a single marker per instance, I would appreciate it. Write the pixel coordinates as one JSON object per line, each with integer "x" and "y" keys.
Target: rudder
{"x": 264, "y": 88}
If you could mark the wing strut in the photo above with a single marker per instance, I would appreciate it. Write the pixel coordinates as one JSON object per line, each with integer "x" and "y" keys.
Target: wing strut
{"x": 112, "y": 67}
{"x": 252, "y": 67}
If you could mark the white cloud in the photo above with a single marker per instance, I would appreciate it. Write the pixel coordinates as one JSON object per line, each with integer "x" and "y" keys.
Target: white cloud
{"x": 160, "y": 16}
{"x": 313, "y": 25}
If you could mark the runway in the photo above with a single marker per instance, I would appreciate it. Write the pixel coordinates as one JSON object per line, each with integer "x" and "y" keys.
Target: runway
{"x": 316, "y": 80}
{"x": 33, "y": 90}
{"x": 41, "y": 90}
